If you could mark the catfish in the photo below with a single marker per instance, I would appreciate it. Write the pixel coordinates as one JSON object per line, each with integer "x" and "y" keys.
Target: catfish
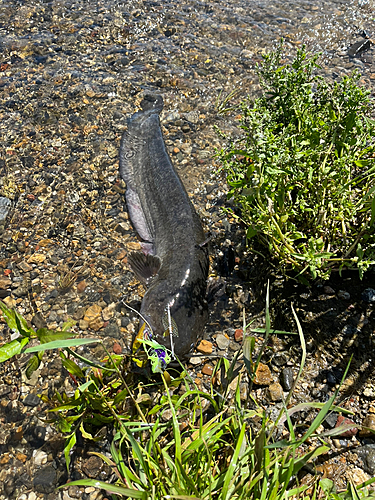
{"x": 174, "y": 261}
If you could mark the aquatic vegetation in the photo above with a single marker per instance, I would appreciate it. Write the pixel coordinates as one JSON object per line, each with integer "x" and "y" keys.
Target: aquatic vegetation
{"x": 303, "y": 170}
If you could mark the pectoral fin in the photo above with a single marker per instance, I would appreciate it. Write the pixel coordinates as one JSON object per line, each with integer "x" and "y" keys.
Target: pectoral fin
{"x": 145, "y": 267}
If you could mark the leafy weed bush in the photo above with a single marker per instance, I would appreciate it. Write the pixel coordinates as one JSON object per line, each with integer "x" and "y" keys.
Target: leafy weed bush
{"x": 302, "y": 172}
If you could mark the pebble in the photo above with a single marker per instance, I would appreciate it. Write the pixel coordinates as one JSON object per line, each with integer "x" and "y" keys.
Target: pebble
{"x": 40, "y": 457}
{"x": 81, "y": 286}
{"x": 45, "y": 480}
{"x": 32, "y": 400}
{"x": 287, "y": 378}
{"x": 92, "y": 466}
{"x": 367, "y": 454}
{"x": 238, "y": 335}
{"x": 346, "y": 421}
{"x": 205, "y": 347}
{"x": 368, "y": 295}
{"x": 5, "y": 205}
{"x": 222, "y": 341}
{"x": 263, "y": 375}
{"x": 207, "y": 369}
{"x": 275, "y": 392}
{"x": 117, "y": 349}
{"x": 343, "y": 295}
{"x": 369, "y": 422}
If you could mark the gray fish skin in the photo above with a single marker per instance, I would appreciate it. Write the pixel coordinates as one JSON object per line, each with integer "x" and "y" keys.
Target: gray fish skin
{"x": 164, "y": 217}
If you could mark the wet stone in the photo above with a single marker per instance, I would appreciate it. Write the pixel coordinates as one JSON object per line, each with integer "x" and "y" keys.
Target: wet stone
{"x": 331, "y": 420}
{"x": 287, "y": 378}
{"x": 343, "y": 295}
{"x": 45, "y": 480}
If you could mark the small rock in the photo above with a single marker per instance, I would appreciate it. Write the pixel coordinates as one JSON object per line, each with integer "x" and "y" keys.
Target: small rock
{"x": 92, "y": 466}
{"x": 96, "y": 324}
{"x": 40, "y": 457}
{"x": 24, "y": 266}
{"x": 37, "y": 258}
{"x": 21, "y": 457}
{"x": 207, "y": 369}
{"x": 275, "y": 392}
{"x": 346, "y": 421}
{"x": 341, "y": 294}
{"x": 367, "y": 454}
{"x": 328, "y": 290}
{"x": 32, "y": 400}
{"x": 21, "y": 291}
{"x": 5, "y": 204}
{"x": 331, "y": 420}
{"x": 238, "y": 335}
{"x": 263, "y": 375}
{"x": 287, "y": 378}
{"x": 107, "y": 312}
{"x": 368, "y": 295}
{"x": 195, "y": 360}
{"x": 38, "y": 321}
{"x": 81, "y": 286}
{"x": 222, "y": 341}
{"x": 117, "y": 349}
{"x": 205, "y": 347}
{"x": 45, "y": 479}
{"x": 83, "y": 324}
{"x": 5, "y": 283}
{"x": 369, "y": 422}
{"x": 93, "y": 313}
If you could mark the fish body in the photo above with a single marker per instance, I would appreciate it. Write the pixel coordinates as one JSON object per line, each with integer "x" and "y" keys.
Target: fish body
{"x": 174, "y": 264}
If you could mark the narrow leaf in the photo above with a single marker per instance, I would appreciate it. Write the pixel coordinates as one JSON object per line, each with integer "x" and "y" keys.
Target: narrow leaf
{"x": 56, "y": 344}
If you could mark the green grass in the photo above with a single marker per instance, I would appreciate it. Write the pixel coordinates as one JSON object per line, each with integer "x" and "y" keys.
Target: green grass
{"x": 302, "y": 170}
{"x": 186, "y": 443}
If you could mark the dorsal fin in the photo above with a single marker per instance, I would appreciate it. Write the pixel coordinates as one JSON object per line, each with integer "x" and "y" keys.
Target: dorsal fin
{"x": 145, "y": 267}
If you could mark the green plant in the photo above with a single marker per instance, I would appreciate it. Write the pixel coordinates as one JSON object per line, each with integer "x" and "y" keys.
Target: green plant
{"x": 185, "y": 443}
{"x": 302, "y": 172}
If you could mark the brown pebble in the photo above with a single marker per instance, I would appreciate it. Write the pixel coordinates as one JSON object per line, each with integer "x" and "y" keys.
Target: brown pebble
{"x": 263, "y": 375}
{"x": 81, "y": 286}
{"x": 21, "y": 457}
{"x": 207, "y": 369}
{"x": 369, "y": 422}
{"x": 275, "y": 392}
{"x": 238, "y": 335}
{"x": 120, "y": 254}
{"x": 176, "y": 151}
{"x": 346, "y": 421}
{"x": 117, "y": 349}
{"x": 92, "y": 313}
{"x": 205, "y": 347}
{"x": 4, "y": 459}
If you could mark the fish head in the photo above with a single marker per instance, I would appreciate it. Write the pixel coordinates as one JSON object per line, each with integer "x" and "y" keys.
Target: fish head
{"x": 176, "y": 318}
